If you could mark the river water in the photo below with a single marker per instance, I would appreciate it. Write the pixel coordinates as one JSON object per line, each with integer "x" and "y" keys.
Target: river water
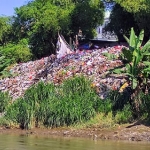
{"x": 14, "y": 142}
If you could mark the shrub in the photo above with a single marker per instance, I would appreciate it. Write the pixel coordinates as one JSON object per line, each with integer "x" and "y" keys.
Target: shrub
{"x": 19, "y": 52}
{"x": 4, "y": 62}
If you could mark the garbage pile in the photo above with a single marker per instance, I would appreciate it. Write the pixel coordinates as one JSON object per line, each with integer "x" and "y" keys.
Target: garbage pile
{"x": 91, "y": 63}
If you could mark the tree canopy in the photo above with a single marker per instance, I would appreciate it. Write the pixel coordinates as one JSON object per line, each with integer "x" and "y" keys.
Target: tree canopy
{"x": 126, "y": 14}
{"x": 5, "y": 29}
{"x": 41, "y": 20}
{"x": 121, "y": 21}
{"x": 134, "y": 5}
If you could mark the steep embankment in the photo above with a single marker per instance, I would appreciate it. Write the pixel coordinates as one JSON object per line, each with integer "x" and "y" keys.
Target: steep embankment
{"x": 91, "y": 63}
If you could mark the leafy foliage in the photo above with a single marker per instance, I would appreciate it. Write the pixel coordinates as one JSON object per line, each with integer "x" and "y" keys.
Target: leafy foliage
{"x": 142, "y": 19}
{"x": 4, "y": 63}
{"x": 41, "y": 21}
{"x": 17, "y": 52}
{"x": 134, "y": 56}
{"x": 134, "y": 6}
{"x": 145, "y": 100}
{"x": 87, "y": 15}
{"x": 5, "y": 30}
{"x": 125, "y": 115}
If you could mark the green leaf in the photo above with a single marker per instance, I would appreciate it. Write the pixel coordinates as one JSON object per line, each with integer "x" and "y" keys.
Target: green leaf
{"x": 127, "y": 54}
{"x": 147, "y": 54}
{"x": 134, "y": 84}
{"x": 117, "y": 71}
{"x": 146, "y": 47}
{"x": 146, "y": 70}
{"x": 128, "y": 41}
{"x": 140, "y": 39}
{"x": 146, "y": 63}
{"x": 132, "y": 41}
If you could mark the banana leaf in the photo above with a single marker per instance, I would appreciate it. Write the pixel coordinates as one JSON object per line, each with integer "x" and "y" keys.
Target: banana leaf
{"x": 136, "y": 56}
{"x": 146, "y": 47}
{"x": 132, "y": 41}
{"x": 117, "y": 71}
{"x": 134, "y": 83}
{"x": 140, "y": 39}
{"x": 146, "y": 63}
{"x": 128, "y": 41}
{"x": 146, "y": 70}
{"x": 127, "y": 54}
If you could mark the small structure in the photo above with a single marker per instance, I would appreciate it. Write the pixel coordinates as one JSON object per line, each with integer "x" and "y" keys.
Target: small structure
{"x": 63, "y": 48}
{"x": 103, "y": 35}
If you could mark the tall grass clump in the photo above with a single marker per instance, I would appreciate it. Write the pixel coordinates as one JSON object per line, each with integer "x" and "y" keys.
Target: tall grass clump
{"x": 53, "y": 106}
{"x": 4, "y": 101}
{"x": 30, "y": 110}
{"x": 79, "y": 99}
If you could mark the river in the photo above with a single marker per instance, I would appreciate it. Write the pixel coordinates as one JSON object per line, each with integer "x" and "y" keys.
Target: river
{"x": 14, "y": 142}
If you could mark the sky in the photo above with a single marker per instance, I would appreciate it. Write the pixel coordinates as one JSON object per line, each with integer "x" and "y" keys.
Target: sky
{"x": 7, "y": 6}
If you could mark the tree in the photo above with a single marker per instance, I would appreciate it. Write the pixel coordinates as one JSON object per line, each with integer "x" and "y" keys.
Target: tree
{"x": 143, "y": 20}
{"x": 126, "y": 14}
{"x": 134, "y": 6}
{"x": 41, "y": 20}
{"x": 5, "y": 30}
{"x": 121, "y": 22}
{"x": 87, "y": 15}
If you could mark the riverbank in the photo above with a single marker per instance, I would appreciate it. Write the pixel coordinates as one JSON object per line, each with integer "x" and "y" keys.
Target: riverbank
{"x": 127, "y": 132}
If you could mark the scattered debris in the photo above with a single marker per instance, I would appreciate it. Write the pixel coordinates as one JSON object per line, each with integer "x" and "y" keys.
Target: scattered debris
{"x": 91, "y": 63}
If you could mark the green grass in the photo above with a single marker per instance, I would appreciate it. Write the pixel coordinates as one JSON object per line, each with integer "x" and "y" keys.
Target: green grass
{"x": 54, "y": 106}
{"x": 73, "y": 103}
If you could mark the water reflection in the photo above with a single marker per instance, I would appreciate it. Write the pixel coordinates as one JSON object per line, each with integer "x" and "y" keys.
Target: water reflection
{"x": 13, "y": 142}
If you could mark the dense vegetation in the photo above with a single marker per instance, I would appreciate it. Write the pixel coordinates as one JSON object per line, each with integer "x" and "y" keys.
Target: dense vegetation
{"x": 74, "y": 101}
{"x": 32, "y": 33}
{"x": 47, "y": 105}
{"x": 40, "y": 21}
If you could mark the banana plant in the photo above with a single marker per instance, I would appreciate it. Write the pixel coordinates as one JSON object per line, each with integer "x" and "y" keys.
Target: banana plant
{"x": 134, "y": 56}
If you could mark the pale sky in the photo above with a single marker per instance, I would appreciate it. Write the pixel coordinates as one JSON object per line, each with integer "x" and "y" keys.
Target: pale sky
{"x": 7, "y": 6}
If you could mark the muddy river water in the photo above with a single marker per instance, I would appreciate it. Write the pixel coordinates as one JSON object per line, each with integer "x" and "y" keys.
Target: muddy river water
{"x": 15, "y": 142}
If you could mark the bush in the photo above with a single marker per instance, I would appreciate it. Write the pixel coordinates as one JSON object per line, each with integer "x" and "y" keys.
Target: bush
{"x": 4, "y": 122}
{"x": 18, "y": 52}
